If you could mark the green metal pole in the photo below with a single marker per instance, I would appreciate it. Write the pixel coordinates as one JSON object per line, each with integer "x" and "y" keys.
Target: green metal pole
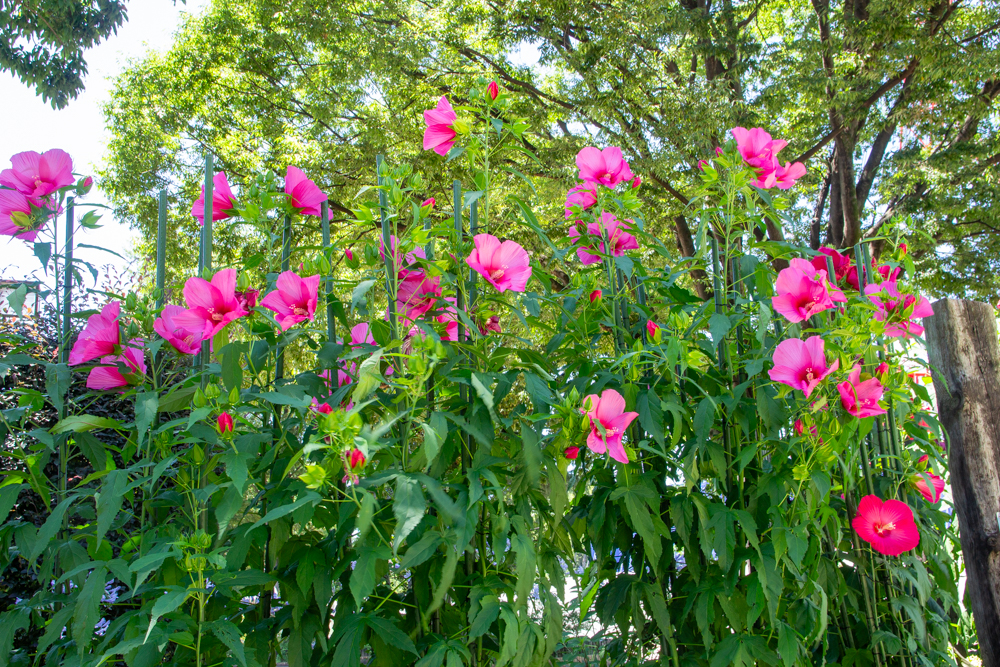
{"x": 67, "y": 304}
{"x": 390, "y": 258}
{"x": 206, "y": 246}
{"x": 161, "y": 249}
{"x": 331, "y": 322}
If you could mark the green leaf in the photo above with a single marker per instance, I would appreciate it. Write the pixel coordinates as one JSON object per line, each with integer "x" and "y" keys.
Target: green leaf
{"x": 229, "y": 635}
{"x": 643, "y": 523}
{"x": 365, "y": 514}
{"x": 485, "y": 395}
{"x": 704, "y": 417}
{"x": 718, "y": 326}
{"x": 110, "y": 501}
{"x": 278, "y": 512}
{"x": 10, "y": 623}
{"x": 93, "y": 448}
{"x": 363, "y": 578}
{"x": 83, "y": 423}
{"x": 50, "y": 528}
{"x": 788, "y": 645}
{"x": 531, "y": 452}
{"x": 57, "y": 381}
{"x": 369, "y": 377}
{"x": 435, "y": 433}
{"x": 658, "y": 607}
{"x": 88, "y": 609}
{"x": 8, "y": 496}
{"x": 651, "y": 415}
{"x": 523, "y": 546}
{"x": 173, "y": 598}
{"x": 488, "y": 613}
{"x": 420, "y": 552}
{"x": 147, "y": 405}
{"x": 409, "y": 507}
{"x": 358, "y": 296}
{"x": 16, "y": 299}
{"x": 390, "y": 634}
{"x": 558, "y": 496}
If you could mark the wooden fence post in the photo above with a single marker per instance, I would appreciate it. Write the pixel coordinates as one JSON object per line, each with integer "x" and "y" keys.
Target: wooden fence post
{"x": 964, "y": 354}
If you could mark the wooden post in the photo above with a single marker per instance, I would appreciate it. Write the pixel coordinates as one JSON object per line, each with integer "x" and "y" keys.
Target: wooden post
{"x": 965, "y": 360}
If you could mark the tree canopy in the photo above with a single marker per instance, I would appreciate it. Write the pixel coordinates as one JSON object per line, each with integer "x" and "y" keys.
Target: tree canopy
{"x": 43, "y": 41}
{"x": 891, "y": 105}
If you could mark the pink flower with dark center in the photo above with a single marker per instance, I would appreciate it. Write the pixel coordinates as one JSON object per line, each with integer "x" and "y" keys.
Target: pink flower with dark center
{"x": 181, "y": 338}
{"x": 803, "y": 290}
{"x": 584, "y": 196}
{"x": 439, "y": 136}
{"x": 607, "y": 412}
{"x": 841, "y": 263}
{"x": 898, "y": 310}
{"x": 302, "y": 193}
{"x": 100, "y": 338}
{"x": 505, "y": 265}
{"x": 37, "y": 175}
{"x": 108, "y": 376}
{"x": 606, "y": 167}
{"x": 932, "y": 492}
{"x": 571, "y": 453}
{"x": 801, "y": 364}
{"x": 493, "y": 89}
{"x": 222, "y": 200}
{"x": 888, "y": 526}
{"x": 618, "y": 236}
{"x": 416, "y": 294}
{"x": 225, "y": 423}
{"x": 861, "y": 398}
{"x": 295, "y": 299}
{"x": 211, "y": 305}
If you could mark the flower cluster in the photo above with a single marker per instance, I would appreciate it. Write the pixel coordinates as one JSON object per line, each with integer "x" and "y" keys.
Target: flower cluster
{"x": 760, "y": 152}
{"x": 33, "y": 179}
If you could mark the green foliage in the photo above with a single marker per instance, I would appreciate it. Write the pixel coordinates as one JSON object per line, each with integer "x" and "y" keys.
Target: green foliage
{"x": 437, "y": 512}
{"x": 42, "y": 42}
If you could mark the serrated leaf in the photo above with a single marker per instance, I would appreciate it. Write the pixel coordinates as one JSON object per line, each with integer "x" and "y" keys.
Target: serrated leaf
{"x": 363, "y": 577}
{"x": 173, "y": 598}
{"x": 88, "y": 608}
{"x": 408, "y": 506}
{"x": 390, "y": 634}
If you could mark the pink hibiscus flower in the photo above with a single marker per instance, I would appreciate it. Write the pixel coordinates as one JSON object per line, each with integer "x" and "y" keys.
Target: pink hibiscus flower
{"x": 618, "y": 237}
{"x": 801, "y": 364}
{"x": 898, "y": 310}
{"x": 505, "y": 265}
{"x": 211, "y": 305}
{"x": 757, "y": 148}
{"x": 888, "y": 526}
{"x": 803, "y": 290}
{"x": 785, "y": 177}
{"x": 109, "y": 376}
{"x": 607, "y": 412}
{"x": 302, "y": 193}
{"x": 181, "y": 338}
{"x": 861, "y": 398}
{"x": 37, "y": 175}
{"x": 99, "y": 338}
{"x": 222, "y": 200}
{"x": 408, "y": 259}
{"x": 295, "y": 299}
{"x": 582, "y": 195}
{"x": 606, "y": 167}
{"x": 440, "y": 133}
{"x": 416, "y": 294}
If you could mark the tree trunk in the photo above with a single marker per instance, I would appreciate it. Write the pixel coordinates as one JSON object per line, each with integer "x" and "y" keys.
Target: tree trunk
{"x": 965, "y": 358}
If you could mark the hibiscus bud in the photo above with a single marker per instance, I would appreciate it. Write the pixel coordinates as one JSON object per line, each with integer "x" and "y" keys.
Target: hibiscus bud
{"x": 882, "y": 372}
{"x": 653, "y": 330}
{"x": 902, "y": 250}
{"x": 199, "y": 399}
{"x": 225, "y": 423}
{"x": 323, "y": 408}
{"x": 356, "y": 459}
{"x": 571, "y": 453}
{"x": 636, "y": 182}
{"x": 234, "y": 395}
{"x": 595, "y": 295}
{"x": 243, "y": 282}
{"x": 84, "y": 185}
{"x": 493, "y": 89}
{"x": 701, "y": 165}
{"x": 428, "y": 204}
{"x": 349, "y": 255}
{"x": 461, "y": 126}
{"x": 799, "y": 428}
{"x": 324, "y": 264}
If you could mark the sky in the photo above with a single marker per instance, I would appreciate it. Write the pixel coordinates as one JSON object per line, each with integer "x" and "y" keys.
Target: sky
{"x": 28, "y": 123}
